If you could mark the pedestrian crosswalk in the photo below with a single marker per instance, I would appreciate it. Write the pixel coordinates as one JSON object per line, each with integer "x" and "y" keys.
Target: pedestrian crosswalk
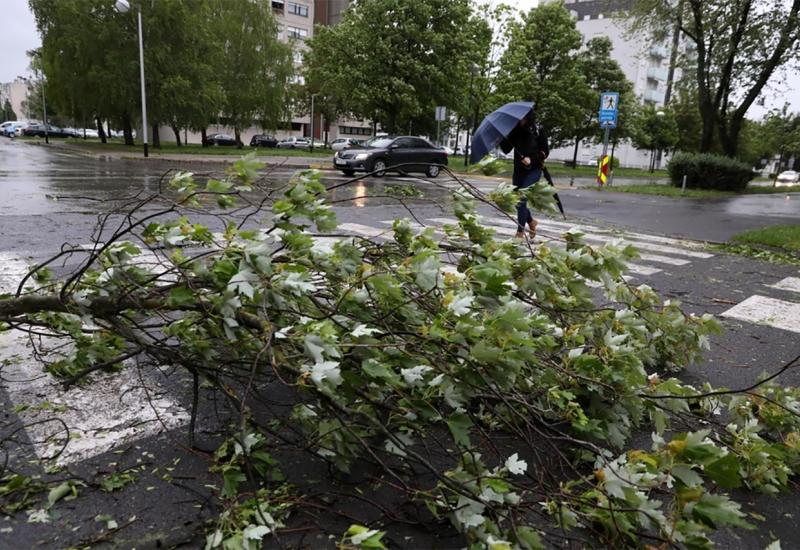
{"x": 70, "y": 425}
{"x": 770, "y": 311}
{"x": 134, "y": 405}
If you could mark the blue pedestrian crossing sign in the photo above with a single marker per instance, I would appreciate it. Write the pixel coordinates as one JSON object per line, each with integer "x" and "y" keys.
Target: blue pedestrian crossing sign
{"x": 609, "y": 107}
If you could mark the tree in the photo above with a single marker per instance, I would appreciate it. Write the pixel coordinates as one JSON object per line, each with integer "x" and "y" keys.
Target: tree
{"x": 489, "y": 386}
{"x": 394, "y": 61}
{"x": 88, "y": 54}
{"x": 737, "y": 47}
{"x": 601, "y": 74}
{"x": 255, "y": 65}
{"x": 780, "y": 136}
{"x": 8, "y": 111}
{"x": 183, "y": 72}
{"x": 654, "y": 129}
{"x": 540, "y": 65}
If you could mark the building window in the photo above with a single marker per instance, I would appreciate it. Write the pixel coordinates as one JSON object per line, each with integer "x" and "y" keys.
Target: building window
{"x": 277, "y": 6}
{"x": 298, "y": 9}
{"x": 296, "y": 32}
{"x": 297, "y": 56}
{"x": 355, "y": 131}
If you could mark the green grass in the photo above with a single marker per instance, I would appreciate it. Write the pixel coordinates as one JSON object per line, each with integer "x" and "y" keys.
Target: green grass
{"x": 783, "y": 237}
{"x": 666, "y": 190}
{"x": 558, "y": 170}
{"x": 194, "y": 149}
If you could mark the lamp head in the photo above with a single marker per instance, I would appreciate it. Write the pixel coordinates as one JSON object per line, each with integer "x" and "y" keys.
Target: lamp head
{"x": 122, "y": 6}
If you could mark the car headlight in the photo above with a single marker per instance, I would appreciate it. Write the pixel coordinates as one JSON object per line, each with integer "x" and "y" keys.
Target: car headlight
{"x": 362, "y": 156}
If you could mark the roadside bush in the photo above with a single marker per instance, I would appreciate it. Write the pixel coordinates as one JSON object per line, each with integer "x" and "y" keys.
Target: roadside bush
{"x": 705, "y": 171}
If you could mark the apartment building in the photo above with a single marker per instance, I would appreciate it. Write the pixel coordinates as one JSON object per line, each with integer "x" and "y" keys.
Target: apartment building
{"x": 17, "y": 94}
{"x": 645, "y": 64}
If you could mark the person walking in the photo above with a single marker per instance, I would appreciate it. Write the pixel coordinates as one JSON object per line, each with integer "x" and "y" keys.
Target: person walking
{"x": 530, "y": 150}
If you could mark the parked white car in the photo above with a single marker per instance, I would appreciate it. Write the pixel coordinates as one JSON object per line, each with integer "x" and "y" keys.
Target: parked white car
{"x": 294, "y": 143}
{"x": 789, "y": 177}
{"x": 344, "y": 143}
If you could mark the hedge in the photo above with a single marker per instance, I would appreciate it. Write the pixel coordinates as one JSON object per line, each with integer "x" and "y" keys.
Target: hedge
{"x": 706, "y": 171}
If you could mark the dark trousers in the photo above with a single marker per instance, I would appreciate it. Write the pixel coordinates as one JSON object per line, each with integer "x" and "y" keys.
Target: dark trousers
{"x": 523, "y": 179}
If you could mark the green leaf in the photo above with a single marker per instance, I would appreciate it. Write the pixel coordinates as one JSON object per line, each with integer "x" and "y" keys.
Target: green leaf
{"x": 725, "y": 472}
{"x": 180, "y": 296}
{"x": 529, "y": 539}
{"x": 59, "y": 492}
{"x": 232, "y": 477}
{"x": 717, "y": 511}
{"x": 686, "y": 475}
{"x": 459, "y": 425}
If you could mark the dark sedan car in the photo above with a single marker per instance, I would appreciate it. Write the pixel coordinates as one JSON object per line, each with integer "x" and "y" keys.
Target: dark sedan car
{"x": 402, "y": 153}
{"x": 38, "y": 130}
{"x": 220, "y": 139}
{"x": 263, "y": 140}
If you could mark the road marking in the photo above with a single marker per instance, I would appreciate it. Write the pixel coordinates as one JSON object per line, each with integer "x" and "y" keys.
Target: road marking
{"x": 367, "y": 230}
{"x": 763, "y": 310}
{"x": 83, "y": 421}
{"x": 792, "y": 284}
{"x": 597, "y": 234}
{"x": 628, "y": 234}
{"x": 12, "y": 270}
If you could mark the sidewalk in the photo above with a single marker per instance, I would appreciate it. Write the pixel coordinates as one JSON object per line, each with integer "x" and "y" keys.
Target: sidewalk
{"x": 136, "y": 154}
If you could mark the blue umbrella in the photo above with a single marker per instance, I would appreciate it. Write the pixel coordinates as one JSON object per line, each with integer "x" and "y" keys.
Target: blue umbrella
{"x": 496, "y": 127}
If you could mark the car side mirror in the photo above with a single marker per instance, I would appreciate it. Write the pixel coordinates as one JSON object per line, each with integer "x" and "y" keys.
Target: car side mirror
{"x": 394, "y": 146}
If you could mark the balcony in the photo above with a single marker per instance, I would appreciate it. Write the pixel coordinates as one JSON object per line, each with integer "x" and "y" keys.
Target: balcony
{"x": 657, "y": 73}
{"x": 654, "y": 96}
{"x": 658, "y": 51}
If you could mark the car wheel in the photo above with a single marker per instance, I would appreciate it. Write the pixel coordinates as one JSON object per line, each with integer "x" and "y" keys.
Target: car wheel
{"x": 379, "y": 167}
{"x": 348, "y": 173}
{"x": 432, "y": 171}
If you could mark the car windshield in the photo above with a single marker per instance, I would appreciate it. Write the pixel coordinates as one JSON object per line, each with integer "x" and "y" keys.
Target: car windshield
{"x": 379, "y": 142}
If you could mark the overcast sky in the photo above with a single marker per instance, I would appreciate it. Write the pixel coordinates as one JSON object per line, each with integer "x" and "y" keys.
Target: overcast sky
{"x": 19, "y": 35}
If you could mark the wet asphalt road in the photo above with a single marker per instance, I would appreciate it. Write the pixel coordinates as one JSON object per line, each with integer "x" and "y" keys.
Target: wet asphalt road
{"x": 49, "y": 196}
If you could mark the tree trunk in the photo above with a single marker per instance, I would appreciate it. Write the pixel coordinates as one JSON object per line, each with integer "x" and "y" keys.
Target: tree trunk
{"x": 177, "y": 132}
{"x": 156, "y": 137}
{"x": 237, "y": 133}
{"x": 203, "y": 137}
{"x": 575, "y": 153}
{"x": 127, "y": 129}
{"x": 100, "y": 132}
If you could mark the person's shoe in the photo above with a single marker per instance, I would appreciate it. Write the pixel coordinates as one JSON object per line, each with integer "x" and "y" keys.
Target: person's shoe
{"x": 533, "y": 224}
{"x": 520, "y": 235}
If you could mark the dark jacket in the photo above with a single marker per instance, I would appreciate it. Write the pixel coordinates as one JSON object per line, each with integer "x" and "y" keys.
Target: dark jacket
{"x": 528, "y": 142}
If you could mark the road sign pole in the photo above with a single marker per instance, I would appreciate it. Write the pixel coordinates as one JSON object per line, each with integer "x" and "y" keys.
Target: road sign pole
{"x": 602, "y": 168}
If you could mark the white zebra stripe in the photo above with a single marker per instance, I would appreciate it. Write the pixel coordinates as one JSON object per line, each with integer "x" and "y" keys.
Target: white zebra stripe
{"x": 792, "y": 284}
{"x": 116, "y": 409}
{"x": 763, "y": 310}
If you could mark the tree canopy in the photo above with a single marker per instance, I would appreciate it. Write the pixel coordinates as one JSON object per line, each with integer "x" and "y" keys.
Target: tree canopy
{"x": 541, "y": 65}
{"x": 394, "y": 61}
{"x": 736, "y": 48}
{"x": 203, "y": 58}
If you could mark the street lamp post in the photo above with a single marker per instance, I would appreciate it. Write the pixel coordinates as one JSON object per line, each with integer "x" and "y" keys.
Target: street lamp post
{"x": 44, "y": 102}
{"x": 44, "y": 112}
{"x": 123, "y": 6}
{"x": 312, "y": 121}
{"x": 473, "y": 70}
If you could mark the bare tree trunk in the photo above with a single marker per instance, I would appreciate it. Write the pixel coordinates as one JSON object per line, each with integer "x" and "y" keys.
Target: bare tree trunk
{"x": 156, "y": 137}
{"x": 575, "y": 153}
{"x": 203, "y": 137}
{"x": 100, "y": 131}
{"x": 177, "y": 132}
{"x": 127, "y": 129}
{"x": 238, "y": 136}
